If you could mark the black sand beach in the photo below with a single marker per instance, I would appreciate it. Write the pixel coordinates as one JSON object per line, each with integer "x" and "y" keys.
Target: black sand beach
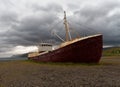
{"x": 29, "y": 74}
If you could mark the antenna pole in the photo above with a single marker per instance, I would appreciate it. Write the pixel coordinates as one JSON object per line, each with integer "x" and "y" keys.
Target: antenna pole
{"x": 68, "y": 36}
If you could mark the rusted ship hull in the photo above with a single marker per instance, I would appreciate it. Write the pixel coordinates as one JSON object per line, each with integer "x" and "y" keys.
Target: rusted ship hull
{"x": 88, "y": 50}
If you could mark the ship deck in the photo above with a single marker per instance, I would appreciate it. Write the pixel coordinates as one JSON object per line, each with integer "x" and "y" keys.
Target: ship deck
{"x": 77, "y": 39}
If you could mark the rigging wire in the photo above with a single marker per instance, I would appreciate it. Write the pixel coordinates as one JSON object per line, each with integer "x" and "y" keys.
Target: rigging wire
{"x": 84, "y": 27}
{"x": 52, "y": 27}
{"x": 54, "y": 33}
{"x": 72, "y": 29}
{"x": 88, "y": 28}
{"x": 58, "y": 36}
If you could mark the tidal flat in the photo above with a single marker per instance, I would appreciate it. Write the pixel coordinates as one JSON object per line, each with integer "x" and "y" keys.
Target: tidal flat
{"x": 23, "y": 73}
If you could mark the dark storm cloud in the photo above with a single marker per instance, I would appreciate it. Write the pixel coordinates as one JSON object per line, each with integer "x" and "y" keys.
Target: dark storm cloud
{"x": 8, "y": 19}
{"x": 34, "y": 28}
{"x": 50, "y": 7}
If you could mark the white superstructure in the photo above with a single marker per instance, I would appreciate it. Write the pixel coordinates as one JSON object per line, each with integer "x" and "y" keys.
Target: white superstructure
{"x": 45, "y": 47}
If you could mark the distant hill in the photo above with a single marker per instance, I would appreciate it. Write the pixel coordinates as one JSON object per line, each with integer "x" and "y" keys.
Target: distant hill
{"x": 20, "y": 55}
{"x": 112, "y": 51}
{"x": 15, "y": 57}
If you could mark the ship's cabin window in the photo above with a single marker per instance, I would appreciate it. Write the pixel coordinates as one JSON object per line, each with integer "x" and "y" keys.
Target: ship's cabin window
{"x": 46, "y": 45}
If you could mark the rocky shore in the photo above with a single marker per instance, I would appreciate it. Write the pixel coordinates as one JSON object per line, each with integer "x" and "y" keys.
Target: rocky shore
{"x": 30, "y": 74}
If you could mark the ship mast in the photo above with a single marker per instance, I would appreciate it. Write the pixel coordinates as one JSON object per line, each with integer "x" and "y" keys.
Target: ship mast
{"x": 68, "y": 36}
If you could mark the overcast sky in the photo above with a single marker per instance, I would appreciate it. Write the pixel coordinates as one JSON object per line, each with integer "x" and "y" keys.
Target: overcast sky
{"x": 24, "y": 23}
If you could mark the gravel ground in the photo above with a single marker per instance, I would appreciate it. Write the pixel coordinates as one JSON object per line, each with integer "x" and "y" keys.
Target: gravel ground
{"x": 30, "y": 74}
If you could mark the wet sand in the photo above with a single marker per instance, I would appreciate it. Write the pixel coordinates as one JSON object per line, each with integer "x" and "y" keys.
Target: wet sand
{"x": 30, "y": 74}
